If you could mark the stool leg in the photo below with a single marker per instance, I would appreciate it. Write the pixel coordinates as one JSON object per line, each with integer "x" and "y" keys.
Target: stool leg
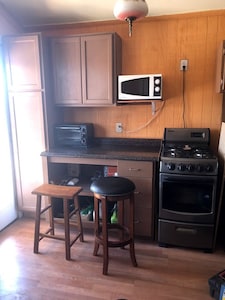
{"x": 66, "y": 227}
{"x": 37, "y": 224}
{"x": 51, "y": 218}
{"x": 120, "y": 213}
{"x": 105, "y": 237}
{"x": 132, "y": 250}
{"x": 97, "y": 225}
{"x": 79, "y": 221}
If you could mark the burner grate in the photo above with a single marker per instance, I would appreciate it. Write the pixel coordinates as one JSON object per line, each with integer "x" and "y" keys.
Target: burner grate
{"x": 187, "y": 151}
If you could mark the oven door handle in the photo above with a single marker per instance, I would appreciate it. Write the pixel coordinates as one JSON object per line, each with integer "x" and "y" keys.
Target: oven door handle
{"x": 190, "y": 231}
{"x": 187, "y": 178}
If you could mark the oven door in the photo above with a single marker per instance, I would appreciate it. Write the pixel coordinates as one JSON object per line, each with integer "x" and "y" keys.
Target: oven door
{"x": 187, "y": 198}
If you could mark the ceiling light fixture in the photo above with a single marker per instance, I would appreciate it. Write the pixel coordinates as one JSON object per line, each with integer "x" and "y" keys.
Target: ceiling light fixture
{"x": 130, "y": 10}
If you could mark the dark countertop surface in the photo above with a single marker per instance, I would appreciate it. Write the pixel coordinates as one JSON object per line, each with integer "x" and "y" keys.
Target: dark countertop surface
{"x": 112, "y": 148}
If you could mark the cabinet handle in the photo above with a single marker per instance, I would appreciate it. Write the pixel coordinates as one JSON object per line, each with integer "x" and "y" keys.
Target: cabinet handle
{"x": 137, "y": 193}
{"x": 134, "y": 169}
{"x": 223, "y": 79}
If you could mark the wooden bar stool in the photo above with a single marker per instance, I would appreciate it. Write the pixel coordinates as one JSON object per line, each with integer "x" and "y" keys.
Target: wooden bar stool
{"x": 108, "y": 190}
{"x": 66, "y": 193}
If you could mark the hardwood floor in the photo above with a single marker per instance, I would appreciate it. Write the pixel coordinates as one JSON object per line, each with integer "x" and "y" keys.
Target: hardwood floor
{"x": 162, "y": 273}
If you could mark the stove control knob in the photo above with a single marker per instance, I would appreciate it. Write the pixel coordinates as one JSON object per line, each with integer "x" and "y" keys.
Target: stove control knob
{"x": 209, "y": 168}
{"x": 171, "y": 167}
{"x": 190, "y": 168}
{"x": 181, "y": 167}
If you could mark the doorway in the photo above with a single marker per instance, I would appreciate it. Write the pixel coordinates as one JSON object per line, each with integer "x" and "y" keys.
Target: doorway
{"x": 8, "y": 209}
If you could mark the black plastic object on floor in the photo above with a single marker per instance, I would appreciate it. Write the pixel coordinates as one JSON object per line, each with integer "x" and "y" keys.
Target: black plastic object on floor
{"x": 217, "y": 285}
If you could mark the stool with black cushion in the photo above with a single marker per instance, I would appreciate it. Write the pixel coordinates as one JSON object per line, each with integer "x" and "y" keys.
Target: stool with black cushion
{"x": 67, "y": 193}
{"x": 108, "y": 191}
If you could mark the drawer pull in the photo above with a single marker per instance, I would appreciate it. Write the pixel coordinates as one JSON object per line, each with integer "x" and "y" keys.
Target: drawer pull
{"x": 186, "y": 230}
{"x": 137, "y": 193}
{"x": 134, "y": 170}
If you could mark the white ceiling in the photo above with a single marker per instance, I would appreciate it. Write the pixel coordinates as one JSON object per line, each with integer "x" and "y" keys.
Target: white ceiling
{"x": 43, "y": 12}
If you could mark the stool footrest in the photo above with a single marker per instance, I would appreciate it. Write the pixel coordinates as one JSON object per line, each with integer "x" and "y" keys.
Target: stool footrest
{"x": 123, "y": 229}
{"x": 113, "y": 244}
{"x": 73, "y": 212}
{"x": 51, "y": 236}
{"x": 45, "y": 208}
{"x": 75, "y": 239}
{"x": 66, "y": 193}
{"x": 48, "y": 230}
{"x": 58, "y": 237}
{"x": 109, "y": 191}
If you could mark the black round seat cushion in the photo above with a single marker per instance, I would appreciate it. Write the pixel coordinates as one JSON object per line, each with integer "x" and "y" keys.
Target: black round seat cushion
{"x": 112, "y": 186}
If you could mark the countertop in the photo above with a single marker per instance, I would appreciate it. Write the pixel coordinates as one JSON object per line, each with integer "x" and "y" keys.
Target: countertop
{"x": 112, "y": 148}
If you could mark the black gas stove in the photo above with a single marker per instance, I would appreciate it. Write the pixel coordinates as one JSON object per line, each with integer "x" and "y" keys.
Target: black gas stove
{"x": 187, "y": 151}
{"x": 187, "y": 189}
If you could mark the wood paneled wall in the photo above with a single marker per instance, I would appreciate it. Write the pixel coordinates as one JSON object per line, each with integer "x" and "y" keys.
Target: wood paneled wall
{"x": 157, "y": 46}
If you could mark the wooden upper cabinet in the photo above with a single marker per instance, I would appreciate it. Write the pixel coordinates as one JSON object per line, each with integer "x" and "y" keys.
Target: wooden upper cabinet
{"x": 66, "y": 64}
{"x": 220, "y": 72}
{"x": 97, "y": 63}
{"x": 85, "y": 69}
{"x": 22, "y": 59}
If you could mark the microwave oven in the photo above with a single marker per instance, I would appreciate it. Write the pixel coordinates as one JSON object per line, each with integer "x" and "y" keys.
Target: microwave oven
{"x": 73, "y": 135}
{"x": 140, "y": 87}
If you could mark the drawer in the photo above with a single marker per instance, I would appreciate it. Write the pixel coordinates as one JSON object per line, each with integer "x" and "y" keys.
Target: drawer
{"x": 143, "y": 192}
{"x": 143, "y": 225}
{"x": 185, "y": 234}
{"x": 135, "y": 168}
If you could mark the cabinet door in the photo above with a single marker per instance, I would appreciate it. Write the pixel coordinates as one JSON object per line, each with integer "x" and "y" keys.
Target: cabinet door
{"x": 143, "y": 206}
{"x": 141, "y": 173}
{"x": 97, "y": 66}
{"x": 22, "y": 59}
{"x": 220, "y": 71}
{"x": 66, "y": 66}
{"x": 28, "y": 140}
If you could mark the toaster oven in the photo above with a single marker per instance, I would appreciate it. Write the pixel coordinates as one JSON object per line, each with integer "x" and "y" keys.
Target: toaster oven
{"x": 73, "y": 135}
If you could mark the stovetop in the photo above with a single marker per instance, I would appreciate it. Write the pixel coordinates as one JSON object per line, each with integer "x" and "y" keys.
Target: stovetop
{"x": 187, "y": 151}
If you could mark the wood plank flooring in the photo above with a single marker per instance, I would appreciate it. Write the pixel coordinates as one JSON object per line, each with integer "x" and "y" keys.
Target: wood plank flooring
{"x": 162, "y": 273}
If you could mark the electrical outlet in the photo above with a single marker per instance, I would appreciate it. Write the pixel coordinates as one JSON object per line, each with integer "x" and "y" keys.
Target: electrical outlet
{"x": 183, "y": 65}
{"x": 119, "y": 127}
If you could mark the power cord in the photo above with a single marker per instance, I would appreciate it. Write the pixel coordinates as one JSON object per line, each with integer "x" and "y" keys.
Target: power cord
{"x": 149, "y": 121}
{"x": 183, "y": 97}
